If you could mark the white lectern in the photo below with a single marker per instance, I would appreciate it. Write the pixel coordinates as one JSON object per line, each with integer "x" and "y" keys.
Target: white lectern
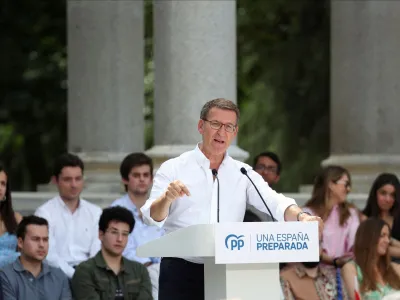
{"x": 241, "y": 260}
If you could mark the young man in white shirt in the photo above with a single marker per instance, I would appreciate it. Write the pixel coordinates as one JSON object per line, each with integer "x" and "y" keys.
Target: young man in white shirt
{"x": 185, "y": 193}
{"x": 136, "y": 172}
{"x": 73, "y": 222}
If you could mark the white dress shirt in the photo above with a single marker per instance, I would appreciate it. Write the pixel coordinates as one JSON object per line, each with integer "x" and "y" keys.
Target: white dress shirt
{"x": 73, "y": 237}
{"x": 193, "y": 169}
{"x": 141, "y": 234}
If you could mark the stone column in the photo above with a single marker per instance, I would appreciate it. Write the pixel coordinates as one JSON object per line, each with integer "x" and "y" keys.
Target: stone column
{"x": 195, "y": 61}
{"x": 105, "y": 86}
{"x": 365, "y": 89}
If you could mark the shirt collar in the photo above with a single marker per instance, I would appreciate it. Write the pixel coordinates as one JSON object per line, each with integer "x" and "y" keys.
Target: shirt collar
{"x": 18, "y": 267}
{"x": 62, "y": 203}
{"x": 203, "y": 161}
{"x": 128, "y": 202}
{"x": 101, "y": 263}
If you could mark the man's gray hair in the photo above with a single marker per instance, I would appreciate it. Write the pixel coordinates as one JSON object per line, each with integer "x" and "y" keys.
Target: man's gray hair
{"x": 220, "y": 103}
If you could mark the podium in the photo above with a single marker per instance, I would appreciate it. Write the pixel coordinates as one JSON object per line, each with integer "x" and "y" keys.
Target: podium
{"x": 241, "y": 260}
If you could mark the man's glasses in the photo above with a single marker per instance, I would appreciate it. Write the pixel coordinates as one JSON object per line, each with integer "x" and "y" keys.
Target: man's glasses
{"x": 217, "y": 126}
{"x": 264, "y": 168}
{"x": 116, "y": 233}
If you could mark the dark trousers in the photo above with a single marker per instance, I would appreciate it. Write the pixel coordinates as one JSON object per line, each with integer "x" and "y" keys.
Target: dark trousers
{"x": 180, "y": 280}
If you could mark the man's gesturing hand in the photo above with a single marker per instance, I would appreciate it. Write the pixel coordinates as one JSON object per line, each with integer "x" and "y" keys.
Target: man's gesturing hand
{"x": 175, "y": 190}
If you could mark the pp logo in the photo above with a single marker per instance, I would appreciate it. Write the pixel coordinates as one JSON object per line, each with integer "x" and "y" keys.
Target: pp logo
{"x": 233, "y": 242}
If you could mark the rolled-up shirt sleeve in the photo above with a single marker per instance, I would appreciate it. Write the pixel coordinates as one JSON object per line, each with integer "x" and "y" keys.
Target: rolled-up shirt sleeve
{"x": 164, "y": 176}
{"x": 277, "y": 203}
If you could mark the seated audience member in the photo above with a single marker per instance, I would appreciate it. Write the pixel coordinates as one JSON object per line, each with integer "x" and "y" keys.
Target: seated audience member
{"x": 29, "y": 277}
{"x": 137, "y": 176}
{"x": 73, "y": 221}
{"x": 109, "y": 275}
{"x": 383, "y": 199}
{"x": 8, "y": 222}
{"x": 269, "y": 166}
{"x": 312, "y": 281}
{"x": 371, "y": 269}
{"x": 383, "y": 202}
{"x": 340, "y": 218}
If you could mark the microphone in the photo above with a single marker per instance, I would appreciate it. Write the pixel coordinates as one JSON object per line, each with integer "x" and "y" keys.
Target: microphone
{"x": 215, "y": 173}
{"x": 244, "y": 172}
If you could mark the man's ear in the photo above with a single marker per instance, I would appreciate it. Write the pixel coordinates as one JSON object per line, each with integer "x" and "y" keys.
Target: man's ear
{"x": 124, "y": 181}
{"x": 237, "y": 130}
{"x": 277, "y": 178}
{"x": 200, "y": 126}
{"x": 53, "y": 180}
{"x": 20, "y": 242}
{"x": 101, "y": 235}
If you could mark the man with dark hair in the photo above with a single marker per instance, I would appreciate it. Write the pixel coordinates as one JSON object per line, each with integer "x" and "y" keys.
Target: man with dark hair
{"x": 269, "y": 166}
{"x": 73, "y": 220}
{"x": 137, "y": 176}
{"x": 29, "y": 277}
{"x": 109, "y": 275}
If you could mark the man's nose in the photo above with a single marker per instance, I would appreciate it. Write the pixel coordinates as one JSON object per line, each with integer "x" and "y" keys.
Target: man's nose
{"x": 222, "y": 130}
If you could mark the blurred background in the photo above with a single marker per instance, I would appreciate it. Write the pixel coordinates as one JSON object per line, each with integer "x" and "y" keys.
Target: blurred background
{"x": 282, "y": 85}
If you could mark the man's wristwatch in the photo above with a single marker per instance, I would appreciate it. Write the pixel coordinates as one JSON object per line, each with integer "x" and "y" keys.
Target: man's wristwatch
{"x": 300, "y": 213}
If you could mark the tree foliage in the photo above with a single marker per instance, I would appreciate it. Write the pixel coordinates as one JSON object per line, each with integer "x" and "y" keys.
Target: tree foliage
{"x": 283, "y": 75}
{"x": 32, "y": 87}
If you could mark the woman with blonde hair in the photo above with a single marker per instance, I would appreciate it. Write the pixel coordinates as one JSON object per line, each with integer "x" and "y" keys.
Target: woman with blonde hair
{"x": 341, "y": 219}
{"x": 371, "y": 268}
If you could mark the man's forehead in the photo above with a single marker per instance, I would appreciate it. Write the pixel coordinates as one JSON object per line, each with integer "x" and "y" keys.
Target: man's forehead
{"x": 141, "y": 169}
{"x": 71, "y": 171}
{"x": 118, "y": 225}
{"x": 266, "y": 160}
{"x": 37, "y": 230}
{"x": 222, "y": 115}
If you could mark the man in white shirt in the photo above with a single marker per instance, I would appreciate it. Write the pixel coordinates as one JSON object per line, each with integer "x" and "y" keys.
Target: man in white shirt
{"x": 73, "y": 222}
{"x": 185, "y": 193}
{"x": 136, "y": 171}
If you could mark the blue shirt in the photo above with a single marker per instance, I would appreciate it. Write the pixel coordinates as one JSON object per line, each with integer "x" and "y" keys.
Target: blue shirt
{"x": 17, "y": 283}
{"x": 141, "y": 233}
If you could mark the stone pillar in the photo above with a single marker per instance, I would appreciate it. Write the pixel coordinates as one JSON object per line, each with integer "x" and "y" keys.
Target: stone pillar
{"x": 195, "y": 61}
{"x": 365, "y": 89}
{"x": 105, "y": 86}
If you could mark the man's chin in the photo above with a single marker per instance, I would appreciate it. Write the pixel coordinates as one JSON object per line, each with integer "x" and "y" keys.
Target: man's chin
{"x": 140, "y": 193}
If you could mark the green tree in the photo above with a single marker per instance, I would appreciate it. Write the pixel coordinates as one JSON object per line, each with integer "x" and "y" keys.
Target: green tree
{"x": 32, "y": 87}
{"x": 283, "y": 75}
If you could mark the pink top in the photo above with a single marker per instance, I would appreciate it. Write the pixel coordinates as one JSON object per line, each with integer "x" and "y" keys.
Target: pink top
{"x": 338, "y": 240}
